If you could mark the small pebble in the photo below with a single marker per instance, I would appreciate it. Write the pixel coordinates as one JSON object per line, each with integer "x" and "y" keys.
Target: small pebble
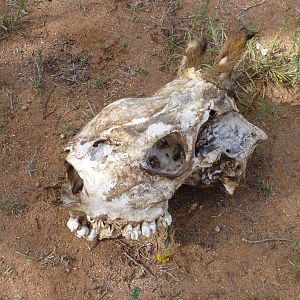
{"x": 217, "y": 229}
{"x": 37, "y": 184}
{"x": 24, "y": 107}
{"x": 62, "y": 136}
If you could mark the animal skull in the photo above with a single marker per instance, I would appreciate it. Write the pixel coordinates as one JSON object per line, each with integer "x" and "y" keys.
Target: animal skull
{"x": 129, "y": 160}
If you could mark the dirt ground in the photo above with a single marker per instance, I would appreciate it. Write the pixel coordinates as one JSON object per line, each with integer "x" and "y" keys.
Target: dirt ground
{"x": 93, "y": 53}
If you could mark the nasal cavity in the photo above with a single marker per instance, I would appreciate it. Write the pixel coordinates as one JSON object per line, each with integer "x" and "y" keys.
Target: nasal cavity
{"x": 73, "y": 179}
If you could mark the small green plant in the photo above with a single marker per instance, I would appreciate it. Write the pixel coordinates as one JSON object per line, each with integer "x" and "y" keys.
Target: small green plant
{"x": 172, "y": 43}
{"x": 97, "y": 83}
{"x": 274, "y": 68}
{"x": 177, "y": 5}
{"x": 263, "y": 187}
{"x": 268, "y": 110}
{"x": 168, "y": 240}
{"x": 10, "y": 206}
{"x": 276, "y": 41}
{"x": 37, "y": 79}
{"x": 166, "y": 255}
{"x": 217, "y": 36}
{"x": 80, "y": 5}
{"x": 202, "y": 12}
{"x": 144, "y": 68}
{"x": 125, "y": 47}
{"x": 31, "y": 165}
{"x": 83, "y": 62}
{"x": 134, "y": 17}
{"x": 259, "y": 73}
{"x": 3, "y": 127}
{"x": 70, "y": 129}
{"x": 9, "y": 23}
{"x": 3, "y": 130}
{"x": 5, "y": 270}
{"x": 197, "y": 22}
{"x": 2, "y": 81}
{"x": 297, "y": 263}
{"x": 297, "y": 57}
{"x": 135, "y": 293}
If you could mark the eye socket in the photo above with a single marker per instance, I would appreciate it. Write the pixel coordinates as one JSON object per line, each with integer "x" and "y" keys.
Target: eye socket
{"x": 73, "y": 179}
{"x": 167, "y": 154}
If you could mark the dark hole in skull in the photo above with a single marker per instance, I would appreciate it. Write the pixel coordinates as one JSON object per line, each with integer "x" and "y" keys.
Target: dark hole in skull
{"x": 212, "y": 114}
{"x": 167, "y": 154}
{"x": 73, "y": 179}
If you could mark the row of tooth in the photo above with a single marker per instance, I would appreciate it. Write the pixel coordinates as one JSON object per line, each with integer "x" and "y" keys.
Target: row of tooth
{"x": 102, "y": 230}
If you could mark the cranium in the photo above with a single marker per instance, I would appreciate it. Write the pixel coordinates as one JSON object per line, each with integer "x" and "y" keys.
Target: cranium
{"x": 129, "y": 160}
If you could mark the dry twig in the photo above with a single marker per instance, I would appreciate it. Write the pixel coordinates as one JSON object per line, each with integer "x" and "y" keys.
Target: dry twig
{"x": 250, "y": 6}
{"x": 268, "y": 240}
{"x": 139, "y": 264}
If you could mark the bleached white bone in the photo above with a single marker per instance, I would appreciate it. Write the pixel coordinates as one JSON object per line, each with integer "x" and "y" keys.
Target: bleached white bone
{"x": 83, "y": 231}
{"x": 92, "y": 235}
{"x": 166, "y": 220}
{"x": 127, "y": 230}
{"x": 136, "y": 232}
{"x": 105, "y": 232}
{"x": 146, "y": 230}
{"x": 152, "y": 226}
{"x": 73, "y": 224}
{"x": 129, "y": 160}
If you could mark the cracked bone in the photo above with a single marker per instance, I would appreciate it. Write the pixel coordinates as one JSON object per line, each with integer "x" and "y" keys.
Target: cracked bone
{"x": 128, "y": 161}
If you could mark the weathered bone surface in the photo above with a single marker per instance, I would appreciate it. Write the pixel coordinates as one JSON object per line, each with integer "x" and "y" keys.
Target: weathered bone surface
{"x": 128, "y": 161}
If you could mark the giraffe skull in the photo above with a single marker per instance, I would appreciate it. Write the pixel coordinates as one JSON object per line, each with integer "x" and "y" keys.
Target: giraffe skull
{"x": 129, "y": 160}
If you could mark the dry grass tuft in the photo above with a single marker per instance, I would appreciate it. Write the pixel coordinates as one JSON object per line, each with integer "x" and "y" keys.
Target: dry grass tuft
{"x": 10, "y": 206}
{"x": 9, "y": 23}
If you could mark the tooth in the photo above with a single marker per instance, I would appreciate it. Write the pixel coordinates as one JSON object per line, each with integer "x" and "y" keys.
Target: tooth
{"x": 73, "y": 224}
{"x": 105, "y": 232}
{"x": 116, "y": 230}
{"x": 136, "y": 232}
{"x": 167, "y": 220}
{"x": 92, "y": 235}
{"x": 82, "y": 231}
{"x": 152, "y": 227}
{"x": 100, "y": 224}
{"x": 146, "y": 230}
{"x": 126, "y": 231}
